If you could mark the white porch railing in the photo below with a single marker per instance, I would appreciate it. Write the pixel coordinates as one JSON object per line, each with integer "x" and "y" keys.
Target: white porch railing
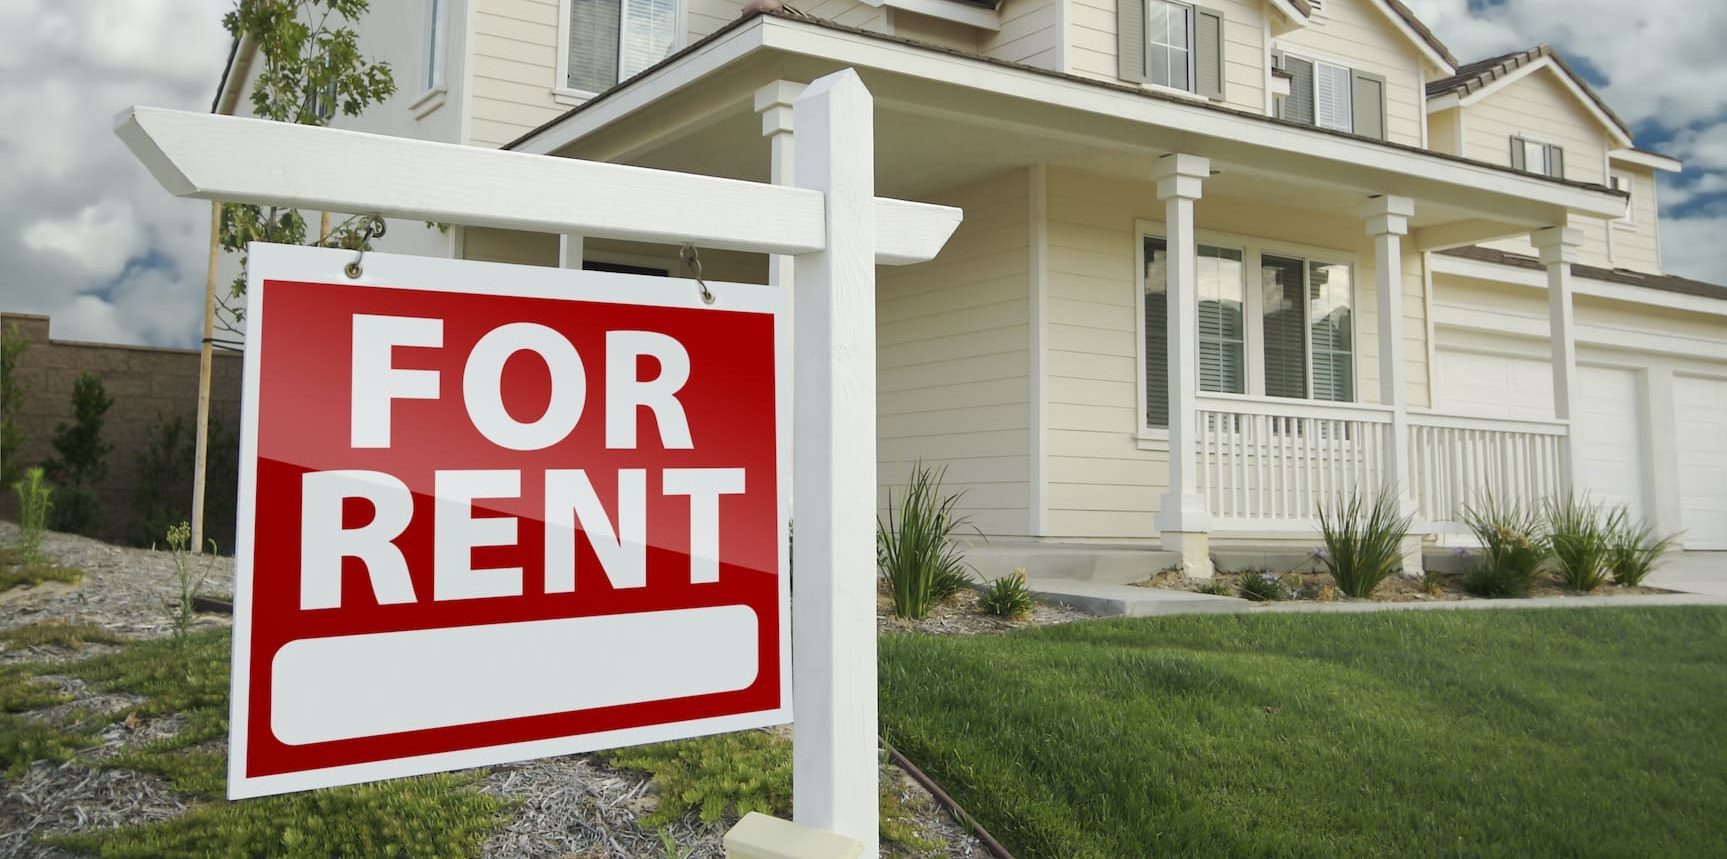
{"x": 1269, "y": 464}
{"x": 1455, "y": 461}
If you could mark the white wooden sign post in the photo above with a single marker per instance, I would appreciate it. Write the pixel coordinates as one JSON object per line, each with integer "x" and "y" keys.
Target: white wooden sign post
{"x": 831, "y": 222}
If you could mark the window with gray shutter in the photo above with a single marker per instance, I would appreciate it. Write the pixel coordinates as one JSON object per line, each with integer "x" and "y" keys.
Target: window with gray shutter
{"x": 1369, "y": 105}
{"x": 1298, "y": 105}
{"x": 1555, "y": 162}
{"x": 1208, "y": 52}
{"x": 1518, "y": 161}
{"x": 1130, "y": 41}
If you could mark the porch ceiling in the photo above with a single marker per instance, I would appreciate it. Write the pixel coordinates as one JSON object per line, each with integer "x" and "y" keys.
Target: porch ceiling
{"x": 934, "y": 134}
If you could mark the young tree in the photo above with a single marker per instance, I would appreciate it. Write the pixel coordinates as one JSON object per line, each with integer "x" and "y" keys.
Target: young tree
{"x": 83, "y": 456}
{"x": 311, "y": 68}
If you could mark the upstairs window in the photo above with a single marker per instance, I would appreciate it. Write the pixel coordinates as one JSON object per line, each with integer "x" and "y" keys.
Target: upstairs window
{"x": 433, "y": 75}
{"x": 1332, "y": 96}
{"x": 1169, "y": 44}
{"x": 1533, "y": 156}
{"x": 611, "y": 41}
{"x": 1622, "y": 182}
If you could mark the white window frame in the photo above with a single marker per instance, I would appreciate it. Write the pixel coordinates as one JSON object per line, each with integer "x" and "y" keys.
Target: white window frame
{"x": 1191, "y": 49}
{"x": 434, "y": 44}
{"x": 561, "y": 89}
{"x": 1318, "y": 60}
{"x": 1253, "y": 249}
{"x": 1546, "y": 147}
{"x": 1622, "y": 180}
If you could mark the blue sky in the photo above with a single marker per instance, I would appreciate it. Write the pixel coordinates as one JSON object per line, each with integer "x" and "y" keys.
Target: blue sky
{"x": 87, "y": 237}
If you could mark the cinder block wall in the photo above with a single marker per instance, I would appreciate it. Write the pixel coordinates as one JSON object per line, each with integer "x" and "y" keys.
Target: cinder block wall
{"x": 143, "y": 381}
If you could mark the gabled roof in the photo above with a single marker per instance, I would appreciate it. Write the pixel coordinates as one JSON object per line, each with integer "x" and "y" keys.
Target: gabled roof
{"x": 1475, "y": 80}
{"x": 1421, "y": 30}
{"x": 1661, "y": 282}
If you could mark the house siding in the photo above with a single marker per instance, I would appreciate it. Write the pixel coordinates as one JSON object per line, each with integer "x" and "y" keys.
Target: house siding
{"x": 1101, "y": 484}
{"x": 1637, "y": 245}
{"x": 1358, "y": 34}
{"x": 1030, "y": 33}
{"x": 512, "y": 69}
{"x": 954, "y": 356}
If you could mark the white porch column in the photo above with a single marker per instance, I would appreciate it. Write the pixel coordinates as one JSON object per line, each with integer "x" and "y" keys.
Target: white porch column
{"x": 1387, "y": 224}
{"x": 774, "y": 103}
{"x": 1183, "y": 522}
{"x": 569, "y": 251}
{"x": 1559, "y": 249}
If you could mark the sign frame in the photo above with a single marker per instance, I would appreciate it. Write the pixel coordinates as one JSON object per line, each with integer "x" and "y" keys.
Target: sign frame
{"x": 428, "y": 274}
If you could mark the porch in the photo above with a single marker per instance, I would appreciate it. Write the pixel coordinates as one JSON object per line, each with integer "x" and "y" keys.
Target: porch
{"x": 1072, "y": 381}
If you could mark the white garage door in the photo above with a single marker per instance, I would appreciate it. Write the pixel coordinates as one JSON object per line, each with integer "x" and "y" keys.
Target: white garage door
{"x": 1609, "y": 440}
{"x": 1700, "y": 416}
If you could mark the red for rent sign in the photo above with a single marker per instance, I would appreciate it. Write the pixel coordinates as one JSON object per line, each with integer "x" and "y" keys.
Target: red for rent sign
{"x": 490, "y": 512}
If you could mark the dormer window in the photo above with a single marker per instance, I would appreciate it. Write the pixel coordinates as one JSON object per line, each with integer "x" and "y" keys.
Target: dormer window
{"x": 1533, "y": 156}
{"x": 610, "y": 41}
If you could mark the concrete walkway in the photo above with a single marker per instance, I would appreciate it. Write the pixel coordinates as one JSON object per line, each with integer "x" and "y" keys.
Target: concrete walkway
{"x": 1699, "y": 578}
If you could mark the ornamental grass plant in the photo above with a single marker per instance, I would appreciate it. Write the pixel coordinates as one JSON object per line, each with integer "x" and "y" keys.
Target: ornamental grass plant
{"x": 915, "y": 545}
{"x": 1514, "y": 545}
{"x": 1580, "y": 533}
{"x": 1634, "y": 550}
{"x": 1363, "y": 541}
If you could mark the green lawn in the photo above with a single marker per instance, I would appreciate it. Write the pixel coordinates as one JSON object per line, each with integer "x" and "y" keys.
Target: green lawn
{"x": 1598, "y": 732}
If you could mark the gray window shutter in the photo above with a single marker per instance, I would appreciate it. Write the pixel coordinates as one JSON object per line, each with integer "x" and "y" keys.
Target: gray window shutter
{"x": 1208, "y": 52}
{"x": 1130, "y": 44}
{"x": 1556, "y": 162}
{"x": 1369, "y": 105}
{"x": 1298, "y": 106}
{"x": 1517, "y": 153}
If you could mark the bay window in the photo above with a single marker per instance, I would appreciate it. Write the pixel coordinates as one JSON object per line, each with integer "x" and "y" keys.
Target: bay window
{"x": 610, "y": 41}
{"x": 1271, "y": 323}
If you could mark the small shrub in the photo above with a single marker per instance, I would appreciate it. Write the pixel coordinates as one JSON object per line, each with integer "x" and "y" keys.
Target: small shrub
{"x": 1008, "y": 596}
{"x": 12, "y": 345}
{"x": 1580, "y": 535}
{"x": 949, "y": 582}
{"x": 82, "y": 456}
{"x": 1363, "y": 542}
{"x": 1513, "y": 548}
{"x": 1634, "y": 551}
{"x": 1260, "y": 586}
{"x": 717, "y": 777}
{"x": 35, "y": 499}
{"x": 1215, "y": 587}
{"x": 915, "y": 546}
{"x": 1433, "y": 583}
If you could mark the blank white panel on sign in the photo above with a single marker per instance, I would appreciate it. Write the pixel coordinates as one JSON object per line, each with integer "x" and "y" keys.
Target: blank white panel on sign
{"x": 344, "y": 687}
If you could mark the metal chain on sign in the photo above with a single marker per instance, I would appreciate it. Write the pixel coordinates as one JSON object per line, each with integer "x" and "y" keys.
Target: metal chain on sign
{"x": 693, "y": 261}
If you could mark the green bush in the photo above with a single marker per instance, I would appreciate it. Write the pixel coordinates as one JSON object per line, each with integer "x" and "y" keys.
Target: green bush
{"x": 1579, "y": 533}
{"x": 82, "y": 457}
{"x": 1008, "y": 596}
{"x": 915, "y": 545}
{"x": 1215, "y": 587}
{"x": 1260, "y": 586}
{"x": 35, "y": 499}
{"x": 1634, "y": 551}
{"x": 1363, "y": 542}
{"x": 164, "y": 470}
{"x": 1514, "y": 545}
{"x": 12, "y": 345}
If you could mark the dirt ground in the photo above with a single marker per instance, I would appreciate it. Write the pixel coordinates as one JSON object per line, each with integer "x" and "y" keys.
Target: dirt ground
{"x": 573, "y": 806}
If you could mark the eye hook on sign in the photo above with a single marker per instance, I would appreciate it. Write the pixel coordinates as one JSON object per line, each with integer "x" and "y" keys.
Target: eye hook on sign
{"x": 374, "y": 229}
{"x": 693, "y": 261}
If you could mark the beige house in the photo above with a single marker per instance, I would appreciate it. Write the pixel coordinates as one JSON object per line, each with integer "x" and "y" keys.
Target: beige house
{"x": 1221, "y": 262}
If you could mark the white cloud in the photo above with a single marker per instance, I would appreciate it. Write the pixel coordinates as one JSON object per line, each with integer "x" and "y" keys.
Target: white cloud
{"x": 100, "y": 239}
{"x": 1692, "y": 247}
{"x": 76, "y": 210}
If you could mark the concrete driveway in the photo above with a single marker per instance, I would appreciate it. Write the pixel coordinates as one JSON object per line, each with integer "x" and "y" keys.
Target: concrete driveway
{"x": 1692, "y": 573}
